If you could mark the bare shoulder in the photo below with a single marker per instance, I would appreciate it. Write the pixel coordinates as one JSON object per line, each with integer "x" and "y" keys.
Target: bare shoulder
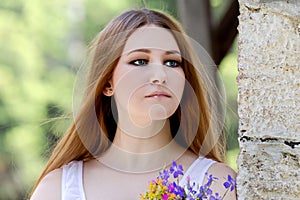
{"x": 187, "y": 159}
{"x": 224, "y": 174}
{"x": 49, "y": 187}
{"x": 221, "y": 170}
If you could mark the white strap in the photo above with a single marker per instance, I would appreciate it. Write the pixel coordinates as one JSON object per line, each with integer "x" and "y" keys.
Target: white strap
{"x": 72, "y": 183}
{"x": 196, "y": 172}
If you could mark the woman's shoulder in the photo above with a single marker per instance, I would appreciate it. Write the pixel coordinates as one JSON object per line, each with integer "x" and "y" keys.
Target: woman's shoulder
{"x": 221, "y": 169}
{"x": 225, "y": 180}
{"x": 49, "y": 187}
{"x": 201, "y": 167}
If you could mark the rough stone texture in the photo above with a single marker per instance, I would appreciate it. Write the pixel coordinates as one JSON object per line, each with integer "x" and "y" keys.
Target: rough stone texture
{"x": 269, "y": 99}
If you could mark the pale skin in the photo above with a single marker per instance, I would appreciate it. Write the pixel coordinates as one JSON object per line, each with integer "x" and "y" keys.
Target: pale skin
{"x": 139, "y": 132}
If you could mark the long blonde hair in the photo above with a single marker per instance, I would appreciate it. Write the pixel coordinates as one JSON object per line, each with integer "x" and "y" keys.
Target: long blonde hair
{"x": 95, "y": 120}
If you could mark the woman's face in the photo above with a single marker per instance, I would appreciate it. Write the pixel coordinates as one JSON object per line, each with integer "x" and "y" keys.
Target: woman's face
{"x": 148, "y": 81}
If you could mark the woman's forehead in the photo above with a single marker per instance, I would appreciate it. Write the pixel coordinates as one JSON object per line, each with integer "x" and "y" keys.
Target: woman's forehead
{"x": 151, "y": 37}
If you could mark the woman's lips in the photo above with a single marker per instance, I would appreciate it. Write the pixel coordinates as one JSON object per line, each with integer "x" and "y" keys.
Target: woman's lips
{"x": 158, "y": 94}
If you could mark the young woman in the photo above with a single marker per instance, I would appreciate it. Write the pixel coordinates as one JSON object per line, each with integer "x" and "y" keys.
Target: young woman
{"x": 146, "y": 104}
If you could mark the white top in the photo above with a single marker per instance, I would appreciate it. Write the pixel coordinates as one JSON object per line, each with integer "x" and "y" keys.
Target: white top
{"x": 72, "y": 173}
{"x": 72, "y": 183}
{"x": 197, "y": 171}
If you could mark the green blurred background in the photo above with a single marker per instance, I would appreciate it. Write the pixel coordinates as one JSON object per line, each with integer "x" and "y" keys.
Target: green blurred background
{"x": 42, "y": 45}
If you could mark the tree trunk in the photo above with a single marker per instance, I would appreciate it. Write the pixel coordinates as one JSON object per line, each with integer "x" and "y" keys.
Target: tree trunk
{"x": 195, "y": 17}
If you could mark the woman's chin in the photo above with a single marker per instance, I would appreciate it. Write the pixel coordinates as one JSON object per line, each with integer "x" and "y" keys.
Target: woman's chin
{"x": 159, "y": 112}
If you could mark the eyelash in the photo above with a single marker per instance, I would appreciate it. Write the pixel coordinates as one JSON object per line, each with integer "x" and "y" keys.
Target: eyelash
{"x": 134, "y": 62}
{"x": 146, "y": 62}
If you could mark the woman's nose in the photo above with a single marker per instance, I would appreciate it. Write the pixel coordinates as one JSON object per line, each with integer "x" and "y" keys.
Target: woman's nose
{"x": 159, "y": 75}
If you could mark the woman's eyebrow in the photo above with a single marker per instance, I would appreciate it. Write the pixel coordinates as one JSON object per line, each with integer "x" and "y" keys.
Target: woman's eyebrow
{"x": 139, "y": 50}
{"x": 173, "y": 52}
{"x": 149, "y": 51}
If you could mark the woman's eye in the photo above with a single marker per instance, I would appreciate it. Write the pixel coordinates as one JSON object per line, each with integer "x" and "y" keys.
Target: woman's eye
{"x": 139, "y": 62}
{"x": 172, "y": 63}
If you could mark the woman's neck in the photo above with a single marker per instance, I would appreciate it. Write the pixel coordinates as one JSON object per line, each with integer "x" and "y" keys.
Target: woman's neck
{"x": 135, "y": 139}
{"x": 145, "y": 149}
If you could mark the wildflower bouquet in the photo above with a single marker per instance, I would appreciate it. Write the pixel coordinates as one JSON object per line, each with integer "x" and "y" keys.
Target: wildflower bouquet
{"x": 162, "y": 188}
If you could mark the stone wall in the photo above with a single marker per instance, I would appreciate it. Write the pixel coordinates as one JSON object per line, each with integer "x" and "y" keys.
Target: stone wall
{"x": 269, "y": 99}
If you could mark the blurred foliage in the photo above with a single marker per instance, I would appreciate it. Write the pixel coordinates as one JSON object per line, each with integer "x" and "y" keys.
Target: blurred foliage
{"x": 42, "y": 44}
{"x": 35, "y": 79}
{"x": 228, "y": 71}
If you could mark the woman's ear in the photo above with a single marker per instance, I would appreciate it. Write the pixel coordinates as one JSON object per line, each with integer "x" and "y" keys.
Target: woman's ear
{"x": 108, "y": 89}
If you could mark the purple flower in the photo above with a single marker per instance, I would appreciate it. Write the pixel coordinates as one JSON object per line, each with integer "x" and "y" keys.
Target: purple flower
{"x": 216, "y": 197}
{"x": 190, "y": 197}
{"x": 230, "y": 183}
{"x": 202, "y": 192}
{"x": 176, "y": 189}
{"x": 164, "y": 175}
{"x": 176, "y": 170}
{"x": 210, "y": 178}
{"x": 190, "y": 187}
